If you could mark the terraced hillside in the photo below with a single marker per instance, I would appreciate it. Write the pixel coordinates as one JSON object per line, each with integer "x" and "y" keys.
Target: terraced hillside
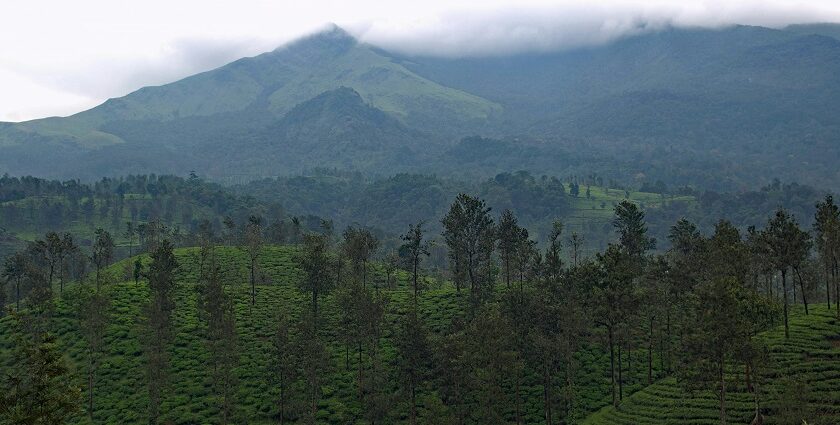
{"x": 121, "y": 387}
{"x": 802, "y": 378}
{"x": 811, "y": 354}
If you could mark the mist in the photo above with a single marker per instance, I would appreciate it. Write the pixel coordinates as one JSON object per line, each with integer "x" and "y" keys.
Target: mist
{"x": 81, "y": 55}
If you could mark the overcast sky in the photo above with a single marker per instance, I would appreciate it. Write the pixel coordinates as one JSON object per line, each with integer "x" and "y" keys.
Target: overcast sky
{"x": 59, "y": 57}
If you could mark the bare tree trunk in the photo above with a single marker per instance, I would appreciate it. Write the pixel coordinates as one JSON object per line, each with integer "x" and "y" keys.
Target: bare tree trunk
{"x": 827, "y": 287}
{"x": 547, "y": 392}
{"x": 612, "y": 365}
{"x": 253, "y": 283}
{"x": 802, "y": 287}
{"x": 620, "y": 374}
{"x": 650, "y": 353}
{"x": 784, "y": 295}
{"x": 722, "y": 392}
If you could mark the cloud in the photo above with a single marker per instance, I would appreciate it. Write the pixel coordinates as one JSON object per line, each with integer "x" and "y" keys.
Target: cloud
{"x": 86, "y": 51}
{"x": 570, "y": 24}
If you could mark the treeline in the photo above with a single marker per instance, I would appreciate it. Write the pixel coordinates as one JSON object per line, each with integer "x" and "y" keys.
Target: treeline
{"x": 694, "y": 309}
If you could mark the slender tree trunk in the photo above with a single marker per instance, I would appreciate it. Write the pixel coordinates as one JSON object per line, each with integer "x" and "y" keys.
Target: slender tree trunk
{"x": 650, "y": 353}
{"x": 517, "y": 400}
{"x": 253, "y": 283}
{"x": 90, "y": 387}
{"x": 507, "y": 270}
{"x": 802, "y": 287}
{"x": 748, "y": 376}
{"x": 282, "y": 402}
{"x": 612, "y": 364}
{"x": 415, "y": 280}
{"x": 620, "y": 373}
{"x": 784, "y": 295}
{"x": 827, "y": 287}
{"x": 413, "y": 401}
{"x": 547, "y": 391}
{"x": 722, "y": 392}
{"x": 17, "y": 297}
{"x": 668, "y": 337}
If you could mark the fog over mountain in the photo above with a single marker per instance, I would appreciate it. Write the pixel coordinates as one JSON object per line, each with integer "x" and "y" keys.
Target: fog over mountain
{"x": 100, "y": 53}
{"x": 714, "y": 108}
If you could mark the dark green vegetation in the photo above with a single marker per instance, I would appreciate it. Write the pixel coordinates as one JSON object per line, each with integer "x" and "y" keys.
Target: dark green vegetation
{"x": 343, "y": 329}
{"x": 800, "y": 378}
{"x": 720, "y": 109}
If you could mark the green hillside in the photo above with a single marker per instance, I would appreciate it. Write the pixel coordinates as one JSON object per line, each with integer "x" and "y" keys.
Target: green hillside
{"x": 121, "y": 386}
{"x": 803, "y": 378}
{"x": 811, "y": 355}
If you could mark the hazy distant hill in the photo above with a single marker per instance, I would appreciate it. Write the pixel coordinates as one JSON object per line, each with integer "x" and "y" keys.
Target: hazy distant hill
{"x": 714, "y": 108}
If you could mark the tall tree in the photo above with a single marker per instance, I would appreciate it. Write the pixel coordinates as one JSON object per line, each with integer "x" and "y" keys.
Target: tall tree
{"x": 316, "y": 266}
{"x": 787, "y": 246}
{"x": 508, "y": 239}
{"x": 359, "y": 245}
{"x": 283, "y": 364}
{"x": 93, "y": 313}
{"x": 103, "y": 252}
{"x": 629, "y": 223}
{"x": 720, "y": 325}
{"x": 413, "y": 357}
{"x": 576, "y": 241}
{"x": 415, "y": 248}
{"x": 253, "y": 241}
{"x": 467, "y": 228}
{"x": 827, "y": 235}
{"x": 37, "y": 388}
{"x": 15, "y": 270}
{"x": 158, "y": 324}
{"x": 221, "y": 341}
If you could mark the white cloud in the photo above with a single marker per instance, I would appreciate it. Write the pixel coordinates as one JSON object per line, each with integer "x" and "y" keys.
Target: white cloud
{"x": 58, "y": 57}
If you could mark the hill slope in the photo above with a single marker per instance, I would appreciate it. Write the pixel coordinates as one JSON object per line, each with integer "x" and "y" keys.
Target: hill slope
{"x": 811, "y": 356}
{"x": 736, "y": 107}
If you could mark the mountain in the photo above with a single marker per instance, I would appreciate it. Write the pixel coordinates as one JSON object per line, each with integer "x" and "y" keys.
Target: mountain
{"x": 723, "y": 109}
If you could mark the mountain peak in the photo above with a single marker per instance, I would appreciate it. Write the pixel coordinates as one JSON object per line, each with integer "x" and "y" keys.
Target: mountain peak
{"x": 332, "y": 37}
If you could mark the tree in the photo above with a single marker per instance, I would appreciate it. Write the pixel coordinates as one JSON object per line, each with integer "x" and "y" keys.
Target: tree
{"x": 827, "y": 236}
{"x": 103, "y": 252}
{"x": 467, "y": 229}
{"x": 721, "y": 322}
{"x": 313, "y": 359}
{"x": 629, "y": 223}
{"x": 415, "y": 248}
{"x": 221, "y": 341}
{"x": 158, "y": 324}
{"x": 53, "y": 250}
{"x": 359, "y": 245}
{"x": 283, "y": 364}
{"x": 37, "y": 387}
{"x": 93, "y": 313}
{"x": 413, "y": 357}
{"x": 130, "y": 232}
{"x": 253, "y": 246}
{"x": 615, "y": 299}
{"x": 787, "y": 246}
{"x": 15, "y": 269}
{"x": 576, "y": 241}
{"x": 316, "y": 267}
{"x": 553, "y": 262}
{"x": 509, "y": 234}
{"x": 391, "y": 264}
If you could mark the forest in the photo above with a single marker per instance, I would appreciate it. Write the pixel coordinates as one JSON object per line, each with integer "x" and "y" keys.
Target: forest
{"x": 273, "y": 319}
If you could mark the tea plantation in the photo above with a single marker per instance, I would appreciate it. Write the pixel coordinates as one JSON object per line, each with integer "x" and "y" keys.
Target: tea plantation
{"x": 810, "y": 354}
